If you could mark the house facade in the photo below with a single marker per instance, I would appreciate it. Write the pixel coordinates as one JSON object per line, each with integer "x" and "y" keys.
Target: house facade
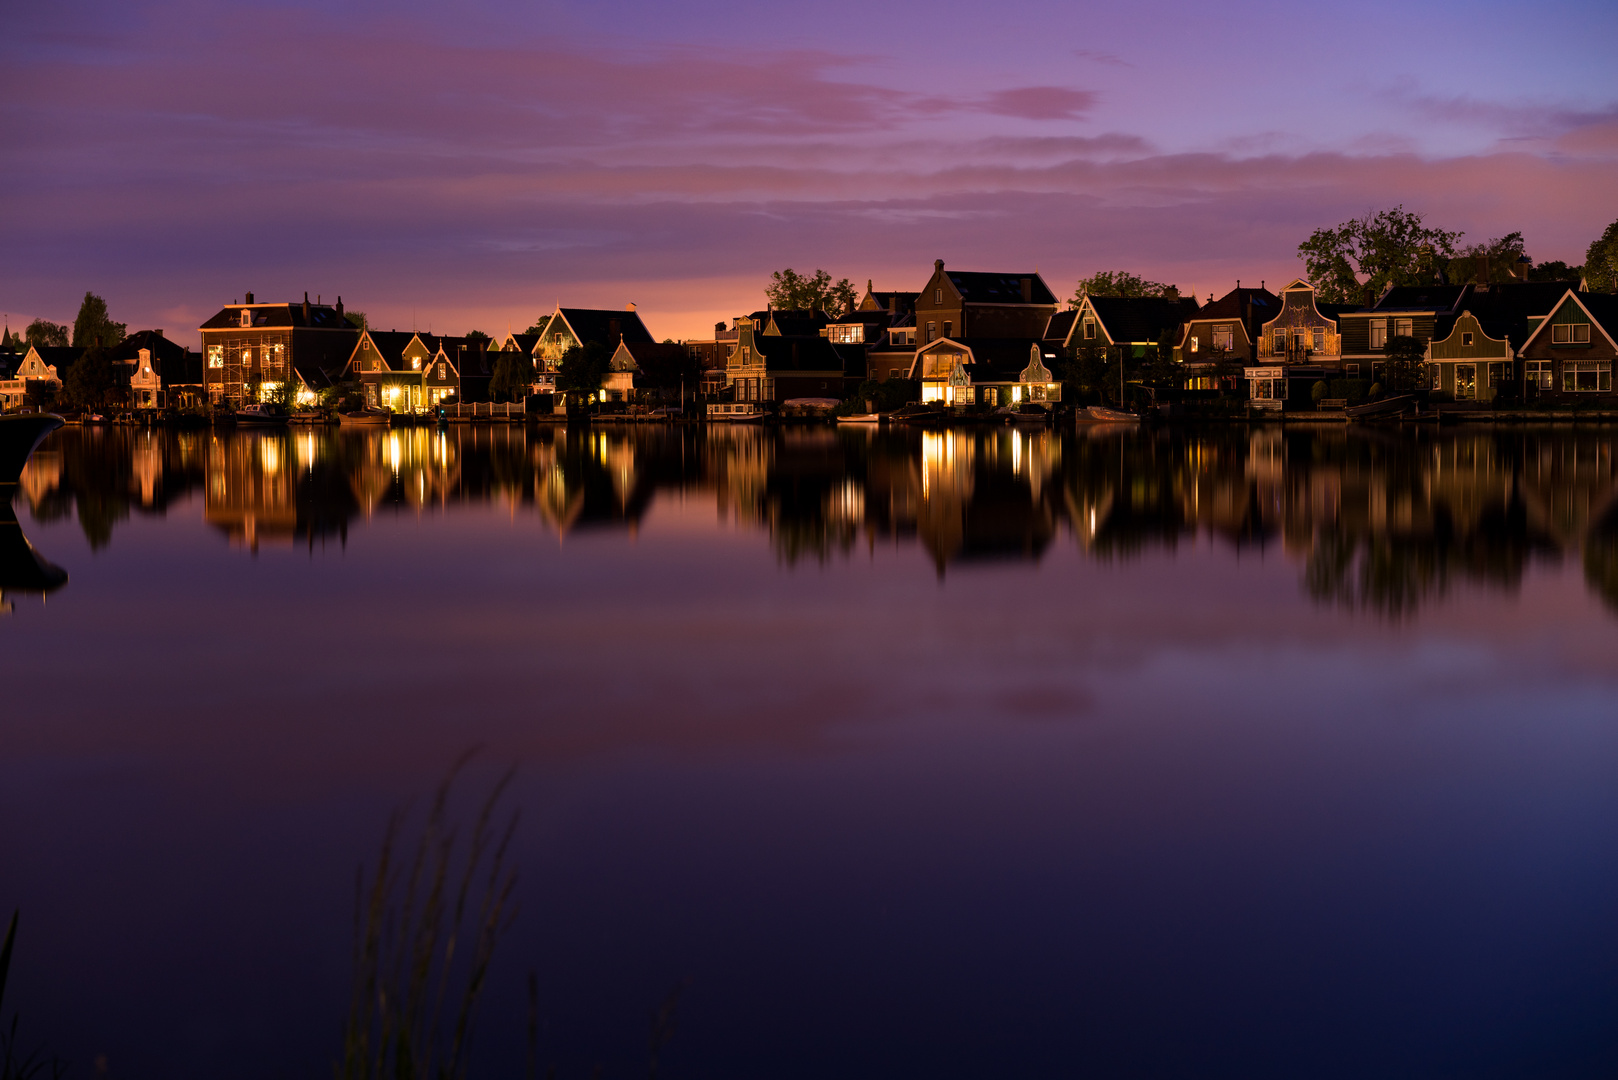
{"x": 161, "y": 373}
{"x": 42, "y": 366}
{"x": 769, "y": 367}
{"x": 251, "y": 348}
{"x": 986, "y": 371}
{"x": 1469, "y": 363}
{"x": 413, "y": 373}
{"x": 1224, "y": 332}
{"x": 1300, "y": 346}
{"x": 971, "y": 304}
{"x": 1416, "y": 311}
{"x": 1137, "y": 324}
{"x": 1570, "y": 350}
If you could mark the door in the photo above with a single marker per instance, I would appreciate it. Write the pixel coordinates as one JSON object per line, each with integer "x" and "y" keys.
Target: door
{"x": 1466, "y": 382}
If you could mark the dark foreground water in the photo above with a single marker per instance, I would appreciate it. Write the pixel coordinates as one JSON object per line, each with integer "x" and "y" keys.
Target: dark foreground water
{"x": 954, "y": 755}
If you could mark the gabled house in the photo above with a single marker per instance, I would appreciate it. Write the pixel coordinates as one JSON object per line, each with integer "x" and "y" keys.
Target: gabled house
{"x": 43, "y": 366}
{"x": 1224, "y": 330}
{"x": 160, "y": 372}
{"x": 571, "y": 327}
{"x": 415, "y": 372}
{"x": 1137, "y": 324}
{"x": 649, "y": 365}
{"x": 251, "y": 345}
{"x": 1300, "y": 346}
{"x": 778, "y": 368}
{"x": 887, "y": 330}
{"x": 986, "y": 371}
{"x": 1574, "y": 344}
{"x": 971, "y": 304}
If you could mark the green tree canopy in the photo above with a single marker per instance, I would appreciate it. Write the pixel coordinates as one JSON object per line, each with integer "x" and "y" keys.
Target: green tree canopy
{"x": 1402, "y": 370}
{"x": 791, "y": 291}
{"x": 1555, "y": 270}
{"x": 1119, "y": 283}
{"x": 91, "y": 379}
{"x": 1392, "y": 247}
{"x": 476, "y": 336}
{"x": 541, "y": 324}
{"x": 1492, "y": 262}
{"x": 583, "y": 368}
{"x": 513, "y": 376}
{"x": 43, "y": 333}
{"x": 357, "y": 320}
{"x": 93, "y": 326}
{"x": 1601, "y": 262}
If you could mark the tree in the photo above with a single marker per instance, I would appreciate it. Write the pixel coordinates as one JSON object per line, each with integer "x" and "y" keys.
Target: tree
{"x": 1083, "y": 369}
{"x": 90, "y": 379}
{"x": 541, "y": 324}
{"x": 1488, "y": 263}
{"x": 94, "y": 327}
{"x": 1392, "y": 247}
{"x": 513, "y": 377}
{"x": 285, "y": 393}
{"x": 1119, "y": 283}
{"x": 357, "y": 320}
{"x": 1601, "y": 262}
{"x": 1405, "y": 359}
{"x": 790, "y": 291}
{"x": 1555, "y": 270}
{"x": 43, "y": 333}
{"x": 475, "y": 336}
{"x": 583, "y": 368}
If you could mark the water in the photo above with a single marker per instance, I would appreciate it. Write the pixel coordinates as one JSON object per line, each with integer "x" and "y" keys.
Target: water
{"x": 1195, "y": 753}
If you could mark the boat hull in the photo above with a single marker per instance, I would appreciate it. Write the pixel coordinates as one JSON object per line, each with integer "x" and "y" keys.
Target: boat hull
{"x": 1099, "y": 415}
{"x": 19, "y": 435}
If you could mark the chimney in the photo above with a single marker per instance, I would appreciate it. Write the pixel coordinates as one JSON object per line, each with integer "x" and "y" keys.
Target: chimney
{"x": 339, "y": 309}
{"x": 1027, "y": 290}
{"x": 938, "y": 264}
{"x": 1261, "y": 283}
{"x": 1370, "y": 300}
{"x": 249, "y": 298}
{"x": 158, "y": 332}
{"x": 306, "y": 307}
{"x": 629, "y": 306}
{"x": 1238, "y": 283}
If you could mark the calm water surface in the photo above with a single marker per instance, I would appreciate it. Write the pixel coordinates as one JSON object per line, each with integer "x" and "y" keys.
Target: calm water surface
{"x": 1196, "y": 753}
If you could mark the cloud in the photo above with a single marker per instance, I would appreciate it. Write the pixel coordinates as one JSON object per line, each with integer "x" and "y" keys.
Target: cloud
{"x": 1106, "y": 59}
{"x": 1041, "y": 103}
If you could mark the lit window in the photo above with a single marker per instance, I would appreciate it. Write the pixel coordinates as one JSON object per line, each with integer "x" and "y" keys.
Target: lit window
{"x": 1587, "y": 376}
{"x": 1404, "y": 327}
{"x": 415, "y": 363}
{"x": 1193, "y": 343}
{"x": 1379, "y": 333}
{"x": 1466, "y": 340}
{"x": 216, "y": 356}
{"x": 1538, "y": 373}
{"x": 1318, "y": 339}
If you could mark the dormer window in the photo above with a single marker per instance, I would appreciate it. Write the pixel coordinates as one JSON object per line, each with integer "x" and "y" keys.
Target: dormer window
{"x": 415, "y": 363}
{"x": 1089, "y": 329}
{"x": 1570, "y": 334}
{"x": 1466, "y": 340}
{"x": 247, "y": 317}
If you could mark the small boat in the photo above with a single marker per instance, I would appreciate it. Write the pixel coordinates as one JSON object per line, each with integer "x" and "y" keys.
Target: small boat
{"x": 918, "y": 414}
{"x": 309, "y": 416}
{"x": 366, "y": 418}
{"x": 861, "y": 418}
{"x": 20, "y": 433}
{"x": 1024, "y": 414}
{"x": 736, "y": 412}
{"x": 260, "y": 415}
{"x": 1099, "y": 414}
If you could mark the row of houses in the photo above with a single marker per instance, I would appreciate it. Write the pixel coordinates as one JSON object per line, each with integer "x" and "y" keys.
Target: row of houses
{"x": 967, "y": 338}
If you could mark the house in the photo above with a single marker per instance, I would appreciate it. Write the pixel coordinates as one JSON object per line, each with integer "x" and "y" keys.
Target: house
{"x": 649, "y": 365}
{"x": 1298, "y": 347}
{"x": 161, "y": 374}
{"x": 1474, "y": 355}
{"x": 883, "y": 324}
{"x": 1224, "y": 331}
{"x": 1137, "y": 324}
{"x": 986, "y": 371}
{"x": 409, "y": 372}
{"x": 970, "y": 304}
{"x": 1573, "y": 346}
{"x": 575, "y": 327}
{"x": 1401, "y": 311}
{"x": 768, "y": 367}
{"x": 253, "y": 347}
{"x": 42, "y": 367}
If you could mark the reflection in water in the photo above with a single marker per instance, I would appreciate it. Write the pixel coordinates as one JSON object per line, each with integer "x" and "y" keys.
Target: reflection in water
{"x": 1380, "y": 520}
{"x": 22, "y": 569}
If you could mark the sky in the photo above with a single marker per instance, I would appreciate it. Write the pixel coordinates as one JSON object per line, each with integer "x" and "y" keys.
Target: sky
{"x": 468, "y": 166}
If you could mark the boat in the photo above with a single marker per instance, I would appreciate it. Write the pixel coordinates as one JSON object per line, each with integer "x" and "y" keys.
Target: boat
{"x": 861, "y": 418}
{"x": 309, "y": 416}
{"x": 918, "y": 414}
{"x": 736, "y": 412}
{"x": 1390, "y": 406}
{"x": 366, "y": 418}
{"x": 20, "y": 433}
{"x": 22, "y": 569}
{"x": 1023, "y": 414}
{"x": 1102, "y": 415}
{"x": 260, "y": 415}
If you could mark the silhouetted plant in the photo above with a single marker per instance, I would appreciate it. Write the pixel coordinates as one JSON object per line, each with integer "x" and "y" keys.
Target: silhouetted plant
{"x": 12, "y": 1065}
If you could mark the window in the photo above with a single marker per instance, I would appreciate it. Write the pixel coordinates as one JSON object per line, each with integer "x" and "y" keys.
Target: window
{"x": 1538, "y": 373}
{"x": 1089, "y": 329}
{"x": 847, "y": 335}
{"x": 216, "y": 356}
{"x": 443, "y": 371}
{"x": 1318, "y": 339}
{"x": 1404, "y": 327}
{"x": 1438, "y": 376}
{"x": 938, "y": 296}
{"x": 1497, "y": 374}
{"x": 1570, "y": 334}
{"x": 247, "y": 317}
{"x": 1586, "y": 376}
{"x": 415, "y": 363}
{"x": 932, "y": 331}
{"x": 1379, "y": 333}
{"x": 1191, "y": 344}
{"x": 947, "y": 328}
{"x": 1280, "y": 342}
{"x": 1224, "y": 337}
{"x": 1351, "y": 370}
{"x": 1466, "y": 341}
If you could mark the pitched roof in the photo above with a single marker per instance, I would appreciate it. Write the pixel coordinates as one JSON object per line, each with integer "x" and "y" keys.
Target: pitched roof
{"x": 799, "y": 353}
{"x": 321, "y": 317}
{"x": 1503, "y": 309}
{"x": 1130, "y": 319}
{"x": 994, "y": 359}
{"x": 605, "y": 326}
{"x": 792, "y": 323}
{"x": 1061, "y": 325}
{"x": 1418, "y": 298}
{"x": 977, "y": 287}
{"x": 899, "y": 302}
{"x": 1250, "y": 307}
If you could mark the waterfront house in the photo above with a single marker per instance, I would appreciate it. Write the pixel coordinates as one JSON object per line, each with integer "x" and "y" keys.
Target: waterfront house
{"x": 43, "y": 367}
{"x": 1415, "y": 311}
{"x": 160, "y": 373}
{"x": 770, "y": 367}
{"x": 411, "y": 372}
{"x": 1573, "y": 346}
{"x": 1299, "y": 346}
{"x": 986, "y": 371}
{"x": 974, "y": 304}
{"x": 646, "y": 366}
{"x": 884, "y": 324}
{"x": 250, "y": 347}
{"x": 576, "y": 327}
{"x": 1136, "y": 324}
{"x": 1224, "y": 331}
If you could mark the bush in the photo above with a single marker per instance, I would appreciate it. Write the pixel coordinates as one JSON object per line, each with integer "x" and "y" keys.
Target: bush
{"x": 1375, "y": 391}
{"x": 1319, "y": 391}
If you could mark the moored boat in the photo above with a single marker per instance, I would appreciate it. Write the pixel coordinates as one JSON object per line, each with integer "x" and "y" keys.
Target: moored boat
{"x": 861, "y": 418}
{"x": 366, "y": 418}
{"x": 924, "y": 415}
{"x": 730, "y": 412}
{"x": 1103, "y": 415}
{"x": 20, "y": 433}
{"x": 309, "y": 416}
{"x": 260, "y": 415}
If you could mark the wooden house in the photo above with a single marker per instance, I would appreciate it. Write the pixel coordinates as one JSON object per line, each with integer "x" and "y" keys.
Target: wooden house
{"x": 1224, "y": 331}
{"x": 777, "y": 367}
{"x": 412, "y": 373}
{"x": 1416, "y": 311}
{"x": 160, "y": 373}
{"x": 1137, "y": 324}
{"x": 42, "y": 366}
{"x": 1298, "y": 347}
{"x": 1573, "y": 346}
{"x": 986, "y": 371}
{"x": 247, "y": 345}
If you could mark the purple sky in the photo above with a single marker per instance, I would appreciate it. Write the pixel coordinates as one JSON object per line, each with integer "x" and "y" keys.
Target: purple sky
{"x": 466, "y": 166}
